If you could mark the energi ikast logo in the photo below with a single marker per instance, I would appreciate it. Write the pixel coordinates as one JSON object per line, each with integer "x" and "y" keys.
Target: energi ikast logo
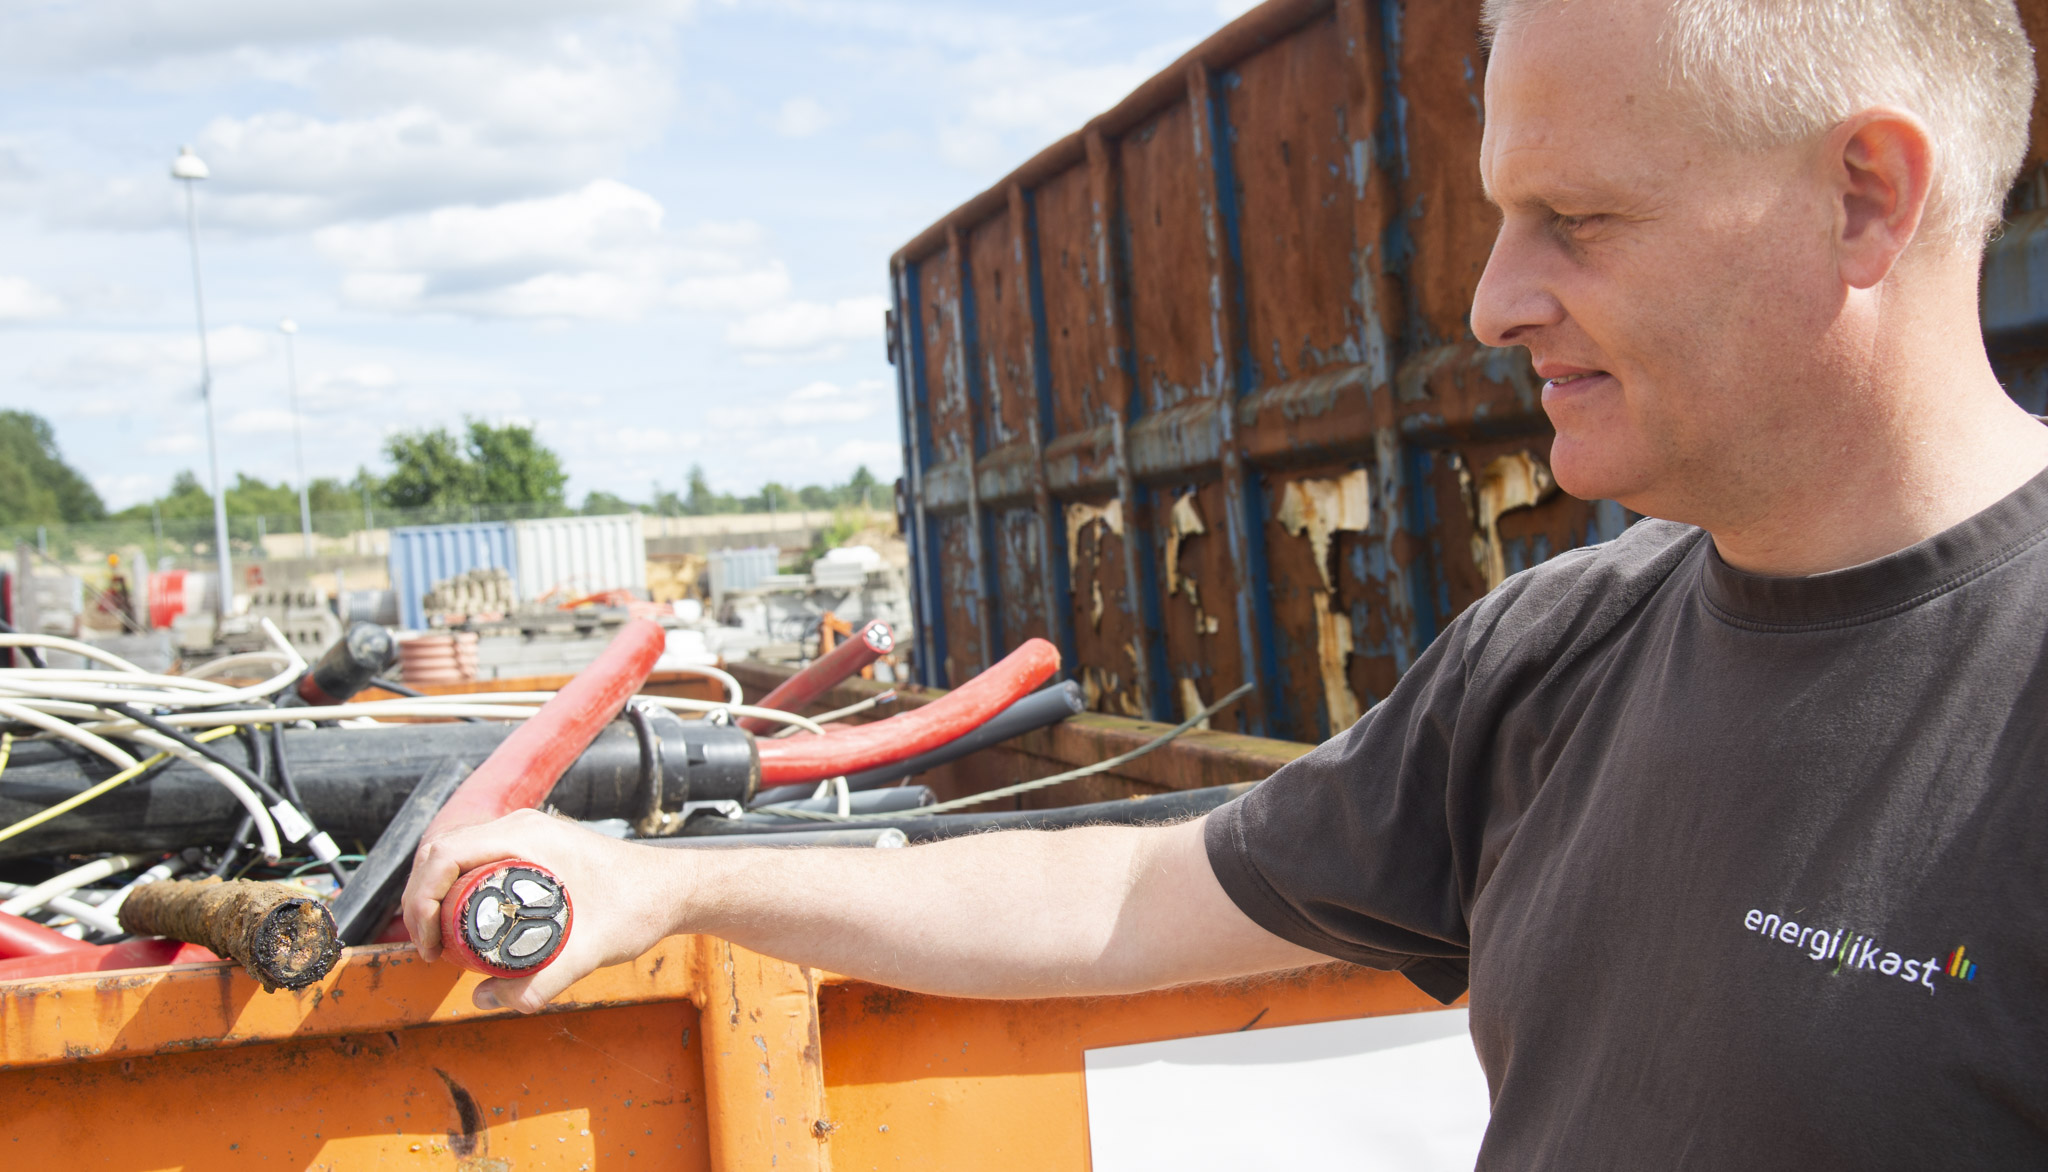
{"x": 1847, "y": 949}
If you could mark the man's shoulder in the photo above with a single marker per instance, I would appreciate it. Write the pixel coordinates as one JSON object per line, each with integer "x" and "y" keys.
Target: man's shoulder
{"x": 1577, "y": 596}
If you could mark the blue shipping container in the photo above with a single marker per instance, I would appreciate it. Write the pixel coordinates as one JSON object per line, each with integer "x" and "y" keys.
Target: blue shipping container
{"x": 422, "y": 555}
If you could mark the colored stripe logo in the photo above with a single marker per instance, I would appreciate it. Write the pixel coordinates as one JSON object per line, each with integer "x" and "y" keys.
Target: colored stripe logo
{"x": 1961, "y": 967}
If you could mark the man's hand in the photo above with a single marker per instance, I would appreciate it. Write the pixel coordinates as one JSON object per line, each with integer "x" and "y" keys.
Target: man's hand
{"x": 625, "y": 897}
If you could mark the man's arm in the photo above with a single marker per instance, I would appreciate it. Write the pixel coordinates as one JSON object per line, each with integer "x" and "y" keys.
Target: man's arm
{"x": 1099, "y": 910}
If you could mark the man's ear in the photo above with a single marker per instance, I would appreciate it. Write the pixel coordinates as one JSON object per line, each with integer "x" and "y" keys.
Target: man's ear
{"x": 1881, "y": 163}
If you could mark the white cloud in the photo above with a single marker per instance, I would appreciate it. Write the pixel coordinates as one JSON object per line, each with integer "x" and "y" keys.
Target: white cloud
{"x": 593, "y": 253}
{"x": 733, "y": 292}
{"x": 403, "y": 128}
{"x": 154, "y": 361}
{"x": 813, "y": 404}
{"x": 23, "y": 300}
{"x": 802, "y": 118}
{"x": 810, "y": 325}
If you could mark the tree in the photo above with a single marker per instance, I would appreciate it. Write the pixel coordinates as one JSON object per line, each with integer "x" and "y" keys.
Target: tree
{"x": 429, "y": 470}
{"x": 36, "y": 485}
{"x": 513, "y": 467}
{"x": 433, "y": 469}
{"x": 598, "y": 503}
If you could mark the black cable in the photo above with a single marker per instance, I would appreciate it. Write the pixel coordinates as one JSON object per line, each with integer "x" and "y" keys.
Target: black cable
{"x": 291, "y": 790}
{"x": 236, "y": 844}
{"x": 184, "y": 738}
{"x": 414, "y": 694}
{"x": 35, "y": 658}
{"x": 652, "y": 781}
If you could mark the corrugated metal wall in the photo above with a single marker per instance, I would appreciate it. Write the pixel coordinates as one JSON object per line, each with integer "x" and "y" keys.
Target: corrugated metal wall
{"x": 1193, "y": 394}
{"x": 576, "y": 556}
{"x": 422, "y": 555}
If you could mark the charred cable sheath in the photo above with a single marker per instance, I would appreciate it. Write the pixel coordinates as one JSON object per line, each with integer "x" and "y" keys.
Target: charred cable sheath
{"x": 284, "y": 938}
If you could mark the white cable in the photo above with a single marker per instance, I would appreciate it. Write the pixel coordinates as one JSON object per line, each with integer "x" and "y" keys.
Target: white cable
{"x": 84, "y": 913}
{"x": 733, "y": 692}
{"x": 70, "y": 881}
{"x": 156, "y": 874}
{"x": 266, "y": 825}
{"x": 59, "y": 643}
{"x": 70, "y": 732}
{"x": 20, "y": 676}
{"x": 226, "y": 663}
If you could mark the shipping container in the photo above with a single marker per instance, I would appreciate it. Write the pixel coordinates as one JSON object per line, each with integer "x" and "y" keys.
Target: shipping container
{"x": 566, "y": 558}
{"x": 1193, "y": 392}
{"x": 422, "y": 555}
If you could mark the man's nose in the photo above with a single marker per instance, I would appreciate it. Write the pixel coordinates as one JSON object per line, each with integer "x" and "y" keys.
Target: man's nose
{"x": 1513, "y": 300}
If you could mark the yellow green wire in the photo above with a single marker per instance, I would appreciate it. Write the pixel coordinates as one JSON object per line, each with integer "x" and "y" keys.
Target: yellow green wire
{"x": 79, "y": 799}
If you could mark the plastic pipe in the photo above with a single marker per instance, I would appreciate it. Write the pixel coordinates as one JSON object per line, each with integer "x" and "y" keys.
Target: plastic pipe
{"x": 511, "y": 917}
{"x": 1039, "y": 709}
{"x": 972, "y": 704}
{"x": 866, "y": 646}
{"x": 20, "y": 936}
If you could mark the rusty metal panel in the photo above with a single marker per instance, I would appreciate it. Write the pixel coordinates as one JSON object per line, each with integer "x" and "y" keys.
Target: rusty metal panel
{"x": 1214, "y": 346}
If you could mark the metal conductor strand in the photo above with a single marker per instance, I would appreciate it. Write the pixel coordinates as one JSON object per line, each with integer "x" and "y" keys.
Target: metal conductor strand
{"x": 283, "y": 937}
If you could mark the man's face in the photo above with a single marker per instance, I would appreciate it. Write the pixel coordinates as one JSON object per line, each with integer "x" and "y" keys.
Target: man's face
{"x": 1676, "y": 295}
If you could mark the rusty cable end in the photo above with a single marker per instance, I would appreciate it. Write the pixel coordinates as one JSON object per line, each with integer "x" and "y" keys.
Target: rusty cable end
{"x": 285, "y": 938}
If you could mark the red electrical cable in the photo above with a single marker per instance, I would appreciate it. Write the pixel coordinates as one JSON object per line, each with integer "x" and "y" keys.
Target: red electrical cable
{"x": 94, "y": 958}
{"x": 865, "y": 646}
{"x": 790, "y": 760}
{"x": 510, "y": 918}
{"x": 21, "y": 936}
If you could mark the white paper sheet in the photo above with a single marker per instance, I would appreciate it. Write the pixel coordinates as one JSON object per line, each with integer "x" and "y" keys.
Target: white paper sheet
{"x": 1401, "y": 1093}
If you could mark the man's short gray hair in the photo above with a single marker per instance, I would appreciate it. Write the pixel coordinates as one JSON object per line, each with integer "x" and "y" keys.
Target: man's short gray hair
{"x": 1767, "y": 73}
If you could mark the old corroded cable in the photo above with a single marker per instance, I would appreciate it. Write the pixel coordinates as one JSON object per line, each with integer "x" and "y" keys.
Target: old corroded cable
{"x": 281, "y": 935}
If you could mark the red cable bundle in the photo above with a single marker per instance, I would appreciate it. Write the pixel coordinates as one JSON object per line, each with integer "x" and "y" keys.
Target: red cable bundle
{"x": 790, "y": 760}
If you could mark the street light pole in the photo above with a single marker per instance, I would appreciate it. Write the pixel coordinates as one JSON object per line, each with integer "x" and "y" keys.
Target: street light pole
{"x": 289, "y": 329}
{"x": 188, "y": 169}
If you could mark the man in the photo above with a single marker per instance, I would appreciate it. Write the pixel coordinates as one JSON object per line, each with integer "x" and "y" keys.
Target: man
{"x": 1729, "y": 824}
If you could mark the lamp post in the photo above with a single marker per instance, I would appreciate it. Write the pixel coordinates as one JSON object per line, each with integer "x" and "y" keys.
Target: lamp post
{"x": 290, "y": 329}
{"x": 188, "y": 169}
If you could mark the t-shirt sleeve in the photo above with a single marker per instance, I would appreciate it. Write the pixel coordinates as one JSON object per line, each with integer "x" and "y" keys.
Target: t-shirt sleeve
{"x": 1352, "y": 850}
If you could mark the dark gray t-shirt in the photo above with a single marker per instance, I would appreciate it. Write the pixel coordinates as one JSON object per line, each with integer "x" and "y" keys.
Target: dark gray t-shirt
{"x": 1744, "y": 872}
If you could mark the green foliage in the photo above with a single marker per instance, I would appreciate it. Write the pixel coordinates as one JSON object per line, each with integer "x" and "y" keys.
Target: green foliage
{"x": 434, "y": 469}
{"x": 513, "y": 467}
{"x": 605, "y": 504}
{"x": 36, "y": 485}
{"x": 701, "y": 499}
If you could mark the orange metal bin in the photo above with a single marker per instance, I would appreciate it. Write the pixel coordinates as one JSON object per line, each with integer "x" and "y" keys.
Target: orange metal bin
{"x": 699, "y": 1055}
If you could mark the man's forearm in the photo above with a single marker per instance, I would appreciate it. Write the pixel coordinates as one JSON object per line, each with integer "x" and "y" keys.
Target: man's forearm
{"x": 1018, "y": 914}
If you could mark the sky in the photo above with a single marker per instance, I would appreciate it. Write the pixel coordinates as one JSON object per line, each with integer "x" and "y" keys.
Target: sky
{"x": 656, "y": 230}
